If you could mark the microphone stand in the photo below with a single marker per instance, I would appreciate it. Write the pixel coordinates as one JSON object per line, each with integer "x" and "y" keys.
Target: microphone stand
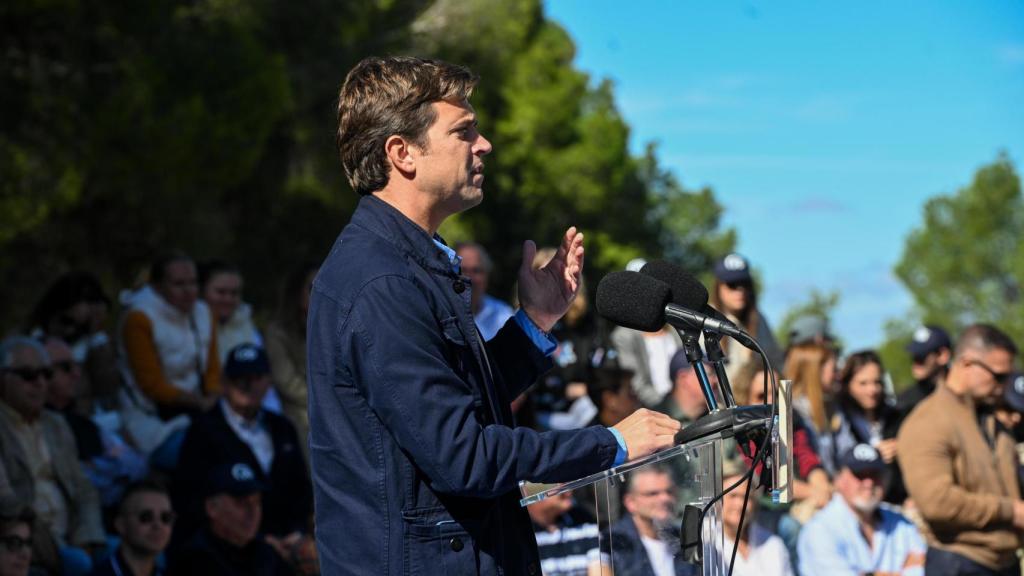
{"x": 691, "y": 346}
{"x": 717, "y": 358}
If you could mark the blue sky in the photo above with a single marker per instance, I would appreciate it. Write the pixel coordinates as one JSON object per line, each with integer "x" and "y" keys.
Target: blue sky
{"x": 822, "y": 127}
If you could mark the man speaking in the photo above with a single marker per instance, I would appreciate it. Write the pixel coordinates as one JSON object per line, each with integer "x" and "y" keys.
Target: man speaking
{"x": 414, "y": 453}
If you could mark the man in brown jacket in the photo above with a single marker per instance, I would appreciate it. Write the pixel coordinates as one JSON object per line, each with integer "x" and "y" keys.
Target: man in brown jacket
{"x": 959, "y": 465}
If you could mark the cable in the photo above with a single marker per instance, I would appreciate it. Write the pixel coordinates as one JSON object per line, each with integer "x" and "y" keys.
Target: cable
{"x": 758, "y": 457}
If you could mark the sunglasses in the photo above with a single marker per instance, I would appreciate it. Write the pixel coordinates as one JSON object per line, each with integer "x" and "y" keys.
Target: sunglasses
{"x": 31, "y": 374}
{"x": 150, "y": 516}
{"x": 15, "y": 544}
{"x": 738, "y": 285}
{"x": 1002, "y": 377}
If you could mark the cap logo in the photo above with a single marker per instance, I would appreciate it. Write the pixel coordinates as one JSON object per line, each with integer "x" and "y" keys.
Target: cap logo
{"x": 922, "y": 334}
{"x": 242, "y": 473}
{"x": 864, "y": 453}
{"x": 1018, "y": 384}
{"x": 734, "y": 262}
{"x": 246, "y": 354}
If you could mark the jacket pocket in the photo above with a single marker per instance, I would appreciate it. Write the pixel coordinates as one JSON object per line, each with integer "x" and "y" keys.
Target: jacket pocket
{"x": 437, "y": 544}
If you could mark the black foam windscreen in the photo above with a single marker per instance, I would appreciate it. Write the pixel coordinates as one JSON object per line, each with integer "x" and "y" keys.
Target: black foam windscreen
{"x": 633, "y": 300}
{"x": 687, "y": 291}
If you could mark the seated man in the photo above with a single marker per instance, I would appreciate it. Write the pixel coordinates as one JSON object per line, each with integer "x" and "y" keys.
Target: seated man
{"x": 109, "y": 462}
{"x": 144, "y": 521}
{"x": 15, "y": 538}
{"x": 567, "y": 537}
{"x": 855, "y": 534}
{"x": 646, "y": 539}
{"x": 38, "y": 455}
{"x": 685, "y": 401}
{"x": 237, "y": 429}
{"x": 228, "y": 545}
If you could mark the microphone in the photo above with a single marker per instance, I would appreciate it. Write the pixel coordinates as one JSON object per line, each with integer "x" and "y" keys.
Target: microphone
{"x": 633, "y": 300}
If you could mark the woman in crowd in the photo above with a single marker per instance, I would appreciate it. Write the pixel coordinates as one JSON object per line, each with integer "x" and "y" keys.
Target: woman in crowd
{"x": 812, "y": 369}
{"x": 759, "y": 552}
{"x": 864, "y": 415}
{"x": 286, "y": 347}
{"x": 735, "y": 296}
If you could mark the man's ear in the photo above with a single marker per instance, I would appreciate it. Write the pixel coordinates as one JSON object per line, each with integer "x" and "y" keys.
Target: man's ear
{"x": 400, "y": 154}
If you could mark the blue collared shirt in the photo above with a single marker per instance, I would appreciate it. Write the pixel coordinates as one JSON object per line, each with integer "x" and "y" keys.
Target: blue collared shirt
{"x": 832, "y": 543}
{"x": 542, "y": 340}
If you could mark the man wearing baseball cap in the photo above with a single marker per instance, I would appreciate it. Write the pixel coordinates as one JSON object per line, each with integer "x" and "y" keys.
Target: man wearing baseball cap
{"x": 930, "y": 350}
{"x": 237, "y": 429}
{"x": 855, "y": 533}
{"x": 228, "y": 544}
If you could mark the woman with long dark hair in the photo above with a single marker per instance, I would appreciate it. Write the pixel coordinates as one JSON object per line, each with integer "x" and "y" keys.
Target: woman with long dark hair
{"x": 864, "y": 415}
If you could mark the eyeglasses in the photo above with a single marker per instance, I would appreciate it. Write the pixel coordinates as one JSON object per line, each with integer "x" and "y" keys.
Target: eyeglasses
{"x": 15, "y": 544}
{"x": 1001, "y": 377}
{"x": 149, "y": 516}
{"x": 921, "y": 359}
{"x": 31, "y": 374}
{"x": 739, "y": 285}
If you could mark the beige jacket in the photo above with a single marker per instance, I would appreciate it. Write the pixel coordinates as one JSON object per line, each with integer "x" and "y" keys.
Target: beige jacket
{"x": 963, "y": 487}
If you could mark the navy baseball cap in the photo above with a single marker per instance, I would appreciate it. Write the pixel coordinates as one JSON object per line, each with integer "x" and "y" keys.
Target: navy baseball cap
{"x": 1014, "y": 392}
{"x": 733, "y": 268}
{"x": 246, "y": 360}
{"x": 928, "y": 339}
{"x": 862, "y": 459}
{"x": 235, "y": 478}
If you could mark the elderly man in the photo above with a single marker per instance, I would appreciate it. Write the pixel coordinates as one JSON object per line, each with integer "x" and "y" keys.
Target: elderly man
{"x": 855, "y": 534}
{"x": 960, "y": 467}
{"x": 38, "y": 455}
{"x": 415, "y": 455}
{"x": 489, "y": 313}
{"x": 228, "y": 544}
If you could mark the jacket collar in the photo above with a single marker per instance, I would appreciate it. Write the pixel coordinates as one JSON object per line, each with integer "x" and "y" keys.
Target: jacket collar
{"x": 389, "y": 223}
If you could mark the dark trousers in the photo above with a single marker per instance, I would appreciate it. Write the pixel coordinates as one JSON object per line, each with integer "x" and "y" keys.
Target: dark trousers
{"x": 944, "y": 563}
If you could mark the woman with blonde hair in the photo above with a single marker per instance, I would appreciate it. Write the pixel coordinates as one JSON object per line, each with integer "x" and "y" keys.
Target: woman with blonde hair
{"x": 812, "y": 369}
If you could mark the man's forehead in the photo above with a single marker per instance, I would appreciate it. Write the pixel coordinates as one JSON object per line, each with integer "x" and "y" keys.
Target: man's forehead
{"x": 58, "y": 351}
{"x": 23, "y": 355}
{"x": 998, "y": 357}
{"x": 454, "y": 111}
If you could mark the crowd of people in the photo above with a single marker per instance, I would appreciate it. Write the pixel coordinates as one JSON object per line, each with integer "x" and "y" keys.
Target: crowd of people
{"x": 165, "y": 432}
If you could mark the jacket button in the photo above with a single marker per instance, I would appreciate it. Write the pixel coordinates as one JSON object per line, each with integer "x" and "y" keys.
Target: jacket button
{"x": 456, "y": 544}
{"x": 459, "y": 286}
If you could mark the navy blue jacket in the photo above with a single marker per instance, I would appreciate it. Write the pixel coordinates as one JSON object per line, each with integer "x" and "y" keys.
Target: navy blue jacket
{"x": 415, "y": 457}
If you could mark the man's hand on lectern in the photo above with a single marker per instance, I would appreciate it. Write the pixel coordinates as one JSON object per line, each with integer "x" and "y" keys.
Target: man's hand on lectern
{"x": 646, "y": 431}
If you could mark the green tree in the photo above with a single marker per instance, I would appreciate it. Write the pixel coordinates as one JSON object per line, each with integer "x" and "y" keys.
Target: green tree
{"x": 965, "y": 263}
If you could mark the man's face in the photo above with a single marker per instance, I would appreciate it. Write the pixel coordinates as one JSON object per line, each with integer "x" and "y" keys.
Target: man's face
{"x": 146, "y": 521}
{"x": 179, "y": 286}
{"x": 235, "y": 519}
{"x": 63, "y": 385}
{"x": 651, "y": 496}
{"x": 245, "y": 394}
{"x": 862, "y": 491}
{"x": 473, "y": 268}
{"x": 689, "y": 394}
{"x": 15, "y": 550}
{"x": 25, "y": 382}
{"x": 548, "y": 510}
{"x": 223, "y": 293}
{"x": 986, "y": 373}
{"x": 450, "y": 167}
{"x": 623, "y": 402}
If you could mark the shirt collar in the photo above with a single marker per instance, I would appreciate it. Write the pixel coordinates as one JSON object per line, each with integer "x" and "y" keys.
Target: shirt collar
{"x": 236, "y": 419}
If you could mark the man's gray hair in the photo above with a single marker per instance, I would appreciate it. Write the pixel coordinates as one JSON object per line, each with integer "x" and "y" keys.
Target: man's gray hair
{"x": 11, "y": 344}
{"x": 485, "y": 258}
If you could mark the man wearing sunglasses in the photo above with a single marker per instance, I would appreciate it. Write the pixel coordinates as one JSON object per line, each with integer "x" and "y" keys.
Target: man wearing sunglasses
{"x": 959, "y": 465}
{"x": 144, "y": 521}
{"x": 37, "y": 451}
{"x": 930, "y": 350}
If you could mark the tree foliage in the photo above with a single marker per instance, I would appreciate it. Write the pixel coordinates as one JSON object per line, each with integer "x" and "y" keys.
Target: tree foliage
{"x": 130, "y": 128}
{"x": 818, "y": 303}
{"x": 965, "y": 263}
